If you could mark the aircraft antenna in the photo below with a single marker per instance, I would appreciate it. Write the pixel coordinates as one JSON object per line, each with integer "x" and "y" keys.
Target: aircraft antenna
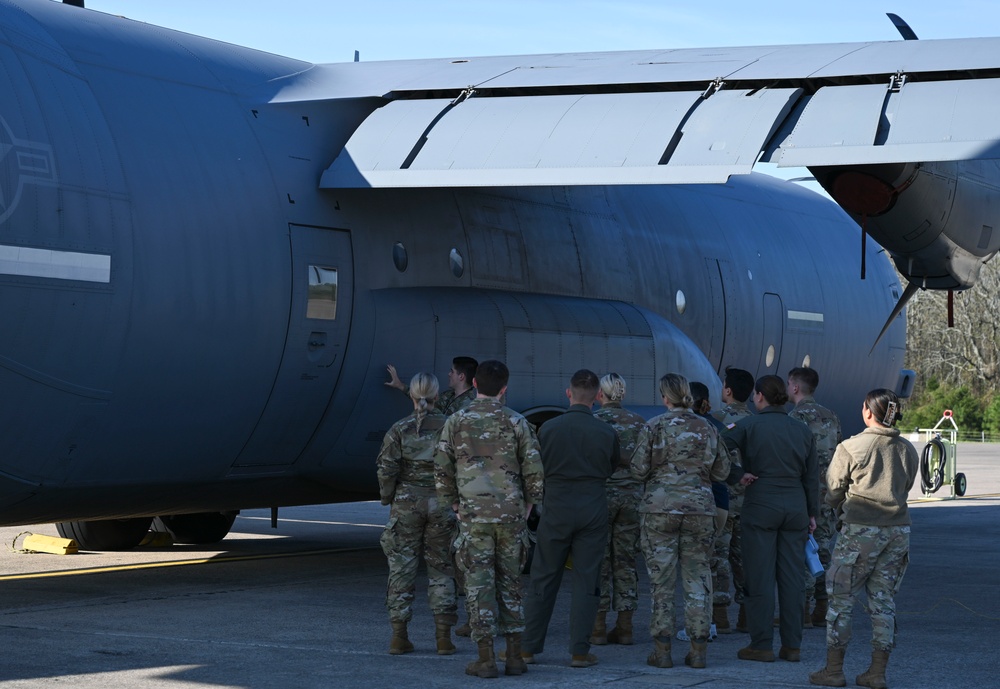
{"x": 902, "y": 27}
{"x": 357, "y": 56}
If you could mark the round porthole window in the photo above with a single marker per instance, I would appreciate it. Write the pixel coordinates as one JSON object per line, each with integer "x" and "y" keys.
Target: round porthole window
{"x": 457, "y": 263}
{"x": 399, "y": 257}
{"x": 681, "y": 301}
{"x": 769, "y": 359}
{"x": 806, "y": 361}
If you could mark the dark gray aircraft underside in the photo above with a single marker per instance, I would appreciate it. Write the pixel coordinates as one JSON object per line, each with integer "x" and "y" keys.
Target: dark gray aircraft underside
{"x": 208, "y": 254}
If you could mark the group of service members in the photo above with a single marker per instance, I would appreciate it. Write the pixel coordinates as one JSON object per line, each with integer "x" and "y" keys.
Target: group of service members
{"x": 463, "y": 474}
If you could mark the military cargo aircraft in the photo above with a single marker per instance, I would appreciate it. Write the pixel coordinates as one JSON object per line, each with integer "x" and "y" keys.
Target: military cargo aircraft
{"x": 208, "y": 254}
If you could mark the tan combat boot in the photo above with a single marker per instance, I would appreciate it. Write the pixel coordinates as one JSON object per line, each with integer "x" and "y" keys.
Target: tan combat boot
{"x": 622, "y": 633}
{"x": 400, "y": 642}
{"x": 514, "y": 660}
{"x": 833, "y": 674}
{"x": 720, "y": 618}
{"x": 442, "y": 633}
{"x": 486, "y": 666}
{"x": 874, "y": 676}
{"x": 599, "y": 634}
{"x": 698, "y": 654}
{"x": 660, "y": 657}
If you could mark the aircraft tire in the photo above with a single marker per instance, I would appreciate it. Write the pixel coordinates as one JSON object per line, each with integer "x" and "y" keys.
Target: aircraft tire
{"x": 106, "y": 534}
{"x": 198, "y": 529}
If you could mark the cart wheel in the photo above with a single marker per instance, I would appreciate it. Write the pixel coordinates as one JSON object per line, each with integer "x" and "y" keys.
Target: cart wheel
{"x": 960, "y": 485}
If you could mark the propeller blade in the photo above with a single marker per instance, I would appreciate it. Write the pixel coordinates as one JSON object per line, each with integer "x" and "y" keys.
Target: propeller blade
{"x": 902, "y": 27}
{"x": 911, "y": 289}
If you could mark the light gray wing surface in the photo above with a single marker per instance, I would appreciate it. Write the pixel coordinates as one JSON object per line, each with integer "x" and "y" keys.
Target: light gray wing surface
{"x": 660, "y": 117}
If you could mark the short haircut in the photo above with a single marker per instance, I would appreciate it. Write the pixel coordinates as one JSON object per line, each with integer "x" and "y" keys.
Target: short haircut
{"x": 675, "y": 389}
{"x": 613, "y": 387}
{"x": 491, "y": 377}
{"x": 773, "y": 389}
{"x": 584, "y": 385}
{"x": 806, "y": 378}
{"x": 740, "y": 382}
{"x": 465, "y": 365}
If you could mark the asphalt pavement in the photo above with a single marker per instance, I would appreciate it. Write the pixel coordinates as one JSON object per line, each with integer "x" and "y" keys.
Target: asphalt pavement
{"x": 303, "y": 606}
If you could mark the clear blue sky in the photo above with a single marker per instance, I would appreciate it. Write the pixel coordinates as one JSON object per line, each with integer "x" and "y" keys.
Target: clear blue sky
{"x": 331, "y": 30}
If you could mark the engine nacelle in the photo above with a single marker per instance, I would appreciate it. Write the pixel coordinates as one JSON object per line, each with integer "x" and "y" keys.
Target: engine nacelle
{"x": 936, "y": 220}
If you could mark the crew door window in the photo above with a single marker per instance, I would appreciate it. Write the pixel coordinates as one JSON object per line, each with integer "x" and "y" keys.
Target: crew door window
{"x": 322, "y": 303}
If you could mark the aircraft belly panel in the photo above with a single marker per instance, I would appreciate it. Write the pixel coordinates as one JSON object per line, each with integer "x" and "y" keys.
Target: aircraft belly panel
{"x": 922, "y": 121}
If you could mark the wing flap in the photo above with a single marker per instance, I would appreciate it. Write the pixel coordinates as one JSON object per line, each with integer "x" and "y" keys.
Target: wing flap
{"x": 630, "y": 138}
{"x": 872, "y": 124}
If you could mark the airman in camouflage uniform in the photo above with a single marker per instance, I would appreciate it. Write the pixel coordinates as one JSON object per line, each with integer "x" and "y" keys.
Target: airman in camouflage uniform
{"x": 459, "y": 395}
{"x": 488, "y": 467}
{"x": 619, "y": 581}
{"x": 460, "y": 392}
{"x": 869, "y": 479}
{"x": 419, "y": 523}
{"x": 678, "y": 456}
{"x": 825, "y": 427}
{"x": 727, "y": 555}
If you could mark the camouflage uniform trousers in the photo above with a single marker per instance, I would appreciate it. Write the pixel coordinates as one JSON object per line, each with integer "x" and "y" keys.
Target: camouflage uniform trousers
{"x": 669, "y": 540}
{"x": 873, "y": 558}
{"x": 619, "y": 580}
{"x": 728, "y": 571}
{"x": 722, "y": 573}
{"x": 419, "y": 525}
{"x": 493, "y": 556}
{"x": 825, "y": 535}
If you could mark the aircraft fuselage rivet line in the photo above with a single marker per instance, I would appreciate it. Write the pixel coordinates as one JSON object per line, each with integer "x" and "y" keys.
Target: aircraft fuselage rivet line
{"x": 177, "y": 563}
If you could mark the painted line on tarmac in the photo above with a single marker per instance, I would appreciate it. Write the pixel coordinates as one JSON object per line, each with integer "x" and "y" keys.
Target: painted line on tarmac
{"x": 177, "y": 563}
{"x": 946, "y": 498}
{"x": 314, "y": 521}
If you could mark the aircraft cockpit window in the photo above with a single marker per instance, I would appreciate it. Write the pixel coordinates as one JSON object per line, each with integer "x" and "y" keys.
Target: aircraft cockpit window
{"x": 457, "y": 263}
{"x": 322, "y": 303}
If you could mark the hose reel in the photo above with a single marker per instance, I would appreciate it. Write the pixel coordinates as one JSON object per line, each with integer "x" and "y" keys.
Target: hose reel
{"x": 938, "y": 459}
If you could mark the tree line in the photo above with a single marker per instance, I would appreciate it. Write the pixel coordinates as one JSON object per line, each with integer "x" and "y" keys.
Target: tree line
{"x": 957, "y": 368}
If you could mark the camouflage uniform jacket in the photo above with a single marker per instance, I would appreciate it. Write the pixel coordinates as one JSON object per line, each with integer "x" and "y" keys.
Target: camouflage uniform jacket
{"x": 628, "y": 425}
{"x": 732, "y": 412}
{"x": 825, "y": 427}
{"x": 488, "y": 462}
{"x": 449, "y": 403}
{"x": 407, "y": 455}
{"x": 678, "y": 456}
{"x": 870, "y": 477}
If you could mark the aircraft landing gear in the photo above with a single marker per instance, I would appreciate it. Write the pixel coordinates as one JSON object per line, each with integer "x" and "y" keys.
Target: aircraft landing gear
{"x": 197, "y": 529}
{"x": 106, "y": 534}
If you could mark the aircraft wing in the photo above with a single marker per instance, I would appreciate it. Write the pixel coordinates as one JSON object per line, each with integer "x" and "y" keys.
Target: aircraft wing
{"x": 655, "y": 117}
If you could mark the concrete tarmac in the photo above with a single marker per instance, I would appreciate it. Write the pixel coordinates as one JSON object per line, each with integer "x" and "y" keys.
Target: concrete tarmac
{"x": 303, "y": 606}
